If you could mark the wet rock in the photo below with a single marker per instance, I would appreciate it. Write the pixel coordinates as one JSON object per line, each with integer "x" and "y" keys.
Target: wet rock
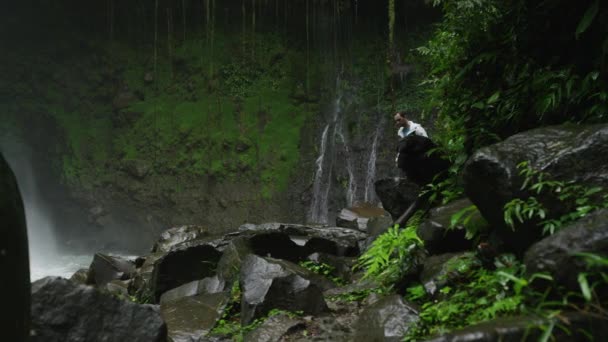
{"x": 386, "y": 320}
{"x": 64, "y": 311}
{"x": 439, "y": 270}
{"x": 118, "y": 288}
{"x": 342, "y": 266}
{"x": 192, "y": 317}
{"x": 436, "y": 233}
{"x": 80, "y": 276}
{"x": 358, "y": 217}
{"x": 396, "y": 194}
{"x": 276, "y": 284}
{"x": 14, "y": 259}
{"x": 555, "y": 254}
{"x": 414, "y": 159}
{"x": 182, "y": 265}
{"x": 106, "y": 268}
{"x": 229, "y": 265}
{"x": 207, "y": 285}
{"x": 137, "y": 169}
{"x": 177, "y": 235}
{"x": 567, "y": 153}
{"x": 273, "y": 329}
{"x": 295, "y": 242}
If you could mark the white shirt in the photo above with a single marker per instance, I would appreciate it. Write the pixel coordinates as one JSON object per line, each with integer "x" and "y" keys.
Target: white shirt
{"x": 413, "y": 128}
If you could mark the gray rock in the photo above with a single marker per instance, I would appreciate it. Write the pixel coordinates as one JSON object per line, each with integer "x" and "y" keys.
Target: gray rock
{"x": 436, "y": 233}
{"x": 177, "y": 235}
{"x": 14, "y": 259}
{"x": 63, "y": 311}
{"x": 358, "y": 217}
{"x": 396, "y": 194}
{"x": 191, "y": 318}
{"x": 555, "y": 254}
{"x": 275, "y": 284}
{"x": 273, "y": 329}
{"x": 80, "y": 276}
{"x": 567, "y": 153}
{"x": 182, "y": 265}
{"x": 439, "y": 269}
{"x": 208, "y": 285}
{"x": 106, "y": 268}
{"x": 386, "y": 320}
{"x": 342, "y": 265}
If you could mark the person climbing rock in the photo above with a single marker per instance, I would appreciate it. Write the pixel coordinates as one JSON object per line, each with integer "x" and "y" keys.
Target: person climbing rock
{"x": 415, "y": 157}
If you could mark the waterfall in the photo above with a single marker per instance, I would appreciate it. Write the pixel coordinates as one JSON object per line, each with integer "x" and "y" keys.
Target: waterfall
{"x": 351, "y": 190}
{"x": 316, "y": 207}
{"x": 370, "y": 176}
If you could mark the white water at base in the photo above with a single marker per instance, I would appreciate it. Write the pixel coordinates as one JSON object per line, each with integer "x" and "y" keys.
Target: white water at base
{"x": 60, "y": 266}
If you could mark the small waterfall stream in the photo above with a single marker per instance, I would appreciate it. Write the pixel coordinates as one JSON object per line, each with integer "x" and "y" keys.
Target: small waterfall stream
{"x": 337, "y": 161}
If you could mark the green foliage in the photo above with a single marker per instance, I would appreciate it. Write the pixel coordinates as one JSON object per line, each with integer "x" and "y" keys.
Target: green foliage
{"x": 498, "y": 67}
{"x": 472, "y": 221}
{"x": 577, "y": 199}
{"x": 325, "y": 270}
{"x": 478, "y": 296}
{"x": 357, "y": 296}
{"x": 391, "y": 255}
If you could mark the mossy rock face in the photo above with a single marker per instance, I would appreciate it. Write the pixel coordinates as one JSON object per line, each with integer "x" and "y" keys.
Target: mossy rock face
{"x": 565, "y": 153}
{"x": 14, "y": 259}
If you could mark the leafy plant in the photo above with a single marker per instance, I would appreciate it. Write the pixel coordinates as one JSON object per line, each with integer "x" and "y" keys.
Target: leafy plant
{"x": 325, "y": 270}
{"x": 579, "y": 200}
{"x": 391, "y": 255}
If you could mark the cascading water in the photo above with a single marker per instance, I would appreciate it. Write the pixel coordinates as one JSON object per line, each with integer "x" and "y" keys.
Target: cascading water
{"x": 370, "y": 176}
{"x": 45, "y": 256}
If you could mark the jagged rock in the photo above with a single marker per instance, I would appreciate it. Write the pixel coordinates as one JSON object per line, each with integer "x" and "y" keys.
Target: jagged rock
{"x": 555, "y": 254}
{"x": 342, "y": 265}
{"x": 268, "y": 283}
{"x": 386, "y": 320}
{"x": 14, "y": 259}
{"x": 137, "y": 169}
{"x": 436, "y": 233}
{"x": 396, "y": 194}
{"x": 177, "y": 235}
{"x": 192, "y": 317}
{"x": 295, "y": 242}
{"x": 106, "y": 268}
{"x": 567, "y": 153}
{"x": 118, "y": 288}
{"x": 80, "y": 276}
{"x": 440, "y": 269}
{"x": 529, "y": 328}
{"x": 229, "y": 265}
{"x": 64, "y": 311}
{"x": 414, "y": 159}
{"x": 273, "y": 329}
{"x": 207, "y": 285}
{"x": 182, "y": 265}
{"x": 358, "y": 217}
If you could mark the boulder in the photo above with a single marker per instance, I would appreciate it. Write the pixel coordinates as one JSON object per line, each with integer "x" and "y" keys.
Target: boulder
{"x": 396, "y": 194}
{"x": 417, "y": 163}
{"x": 273, "y": 329}
{"x": 183, "y": 264}
{"x": 177, "y": 235}
{"x": 436, "y": 233}
{"x": 80, "y": 276}
{"x": 207, "y": 285}
{"x": 386, "y": 320}
{"x": 555, "y": 254}
{"x": 294, "y": 242}
{"x": 268, "y": 284}
{"x": 65, "y": 311}
{"x": 192, "y": 317}
{"x": 440, "y": 270}
{"x": 14, "y": 258}
{"x": 567, "y": 153}
{"x": 358, "y": 217}
{"x": 106, "y": 268}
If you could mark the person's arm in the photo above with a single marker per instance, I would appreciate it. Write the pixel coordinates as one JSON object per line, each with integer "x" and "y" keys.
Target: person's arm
{"x": 419, "y": 130}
